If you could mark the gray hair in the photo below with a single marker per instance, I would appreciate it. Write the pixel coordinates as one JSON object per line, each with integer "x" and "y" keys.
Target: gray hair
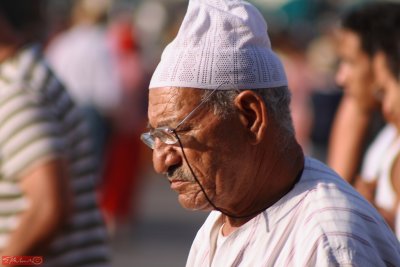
{"x": 277, "y": 101}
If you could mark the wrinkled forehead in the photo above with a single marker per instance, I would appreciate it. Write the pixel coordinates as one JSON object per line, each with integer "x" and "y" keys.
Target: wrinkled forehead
{"x": 169, "y": 104}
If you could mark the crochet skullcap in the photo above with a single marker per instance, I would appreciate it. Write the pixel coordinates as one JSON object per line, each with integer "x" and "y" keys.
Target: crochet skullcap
{"x": 220, "y": 42}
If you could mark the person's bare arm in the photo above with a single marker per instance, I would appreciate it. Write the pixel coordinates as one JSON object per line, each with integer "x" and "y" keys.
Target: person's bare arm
{"x": 347, "y": 138}
{"x": 395, "y": 178}
{"x": 367, "y": 189}
{"x": 47, "y": 190}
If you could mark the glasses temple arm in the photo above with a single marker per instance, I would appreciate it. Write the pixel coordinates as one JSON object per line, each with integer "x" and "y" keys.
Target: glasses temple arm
{"x": 196, "y": 108}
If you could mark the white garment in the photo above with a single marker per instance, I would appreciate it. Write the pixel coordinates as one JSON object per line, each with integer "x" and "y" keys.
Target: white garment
{"x": 373, "y": 158}
{"x": 377, "y": 166}
{"x": 81, "y": 59}
{"x": 321, "y": 222}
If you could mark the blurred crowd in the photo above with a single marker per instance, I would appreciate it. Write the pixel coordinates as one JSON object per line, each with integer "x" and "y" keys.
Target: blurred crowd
{"x": 104, "y": 52}
{"x": 96, "y": 53}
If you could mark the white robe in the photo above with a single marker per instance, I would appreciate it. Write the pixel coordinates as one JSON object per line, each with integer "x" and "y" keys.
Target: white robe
{"x": 321, "y": 222}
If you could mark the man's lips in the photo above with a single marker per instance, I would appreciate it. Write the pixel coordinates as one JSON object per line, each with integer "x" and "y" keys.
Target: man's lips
{"x": 177, "y": 184}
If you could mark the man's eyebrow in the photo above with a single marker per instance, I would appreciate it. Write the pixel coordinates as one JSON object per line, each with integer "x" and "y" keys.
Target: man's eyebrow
{"x": 167, "y": 122}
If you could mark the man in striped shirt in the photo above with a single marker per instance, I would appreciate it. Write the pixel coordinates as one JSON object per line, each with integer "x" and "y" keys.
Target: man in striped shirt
{"x": 221, "y": 131}
{"x": 47, "y": 198}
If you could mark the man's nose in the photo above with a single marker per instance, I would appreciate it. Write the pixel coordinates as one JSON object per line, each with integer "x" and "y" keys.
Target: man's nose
{"x": 165, "y": 156}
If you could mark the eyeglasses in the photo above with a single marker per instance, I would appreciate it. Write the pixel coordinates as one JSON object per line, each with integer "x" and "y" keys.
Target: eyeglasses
{"x": 169, "y": 135}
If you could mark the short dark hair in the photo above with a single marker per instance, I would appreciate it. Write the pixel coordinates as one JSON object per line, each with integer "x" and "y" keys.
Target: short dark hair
{"x": 378, "y": 26}
{"x": 24, "y": 16}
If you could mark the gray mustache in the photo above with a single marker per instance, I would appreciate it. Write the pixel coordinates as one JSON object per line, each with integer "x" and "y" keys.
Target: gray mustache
{"x": 179, "y": 173}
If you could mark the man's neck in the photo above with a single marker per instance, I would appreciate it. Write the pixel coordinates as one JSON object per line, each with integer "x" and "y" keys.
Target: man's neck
{"x": 283, "y": 172}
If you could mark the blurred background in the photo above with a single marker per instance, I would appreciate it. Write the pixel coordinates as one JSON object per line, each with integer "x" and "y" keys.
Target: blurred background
{"x": 105, "y": 52}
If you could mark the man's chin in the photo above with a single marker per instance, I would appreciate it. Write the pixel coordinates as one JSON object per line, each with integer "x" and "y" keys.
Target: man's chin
{"x": 191, "y": 204}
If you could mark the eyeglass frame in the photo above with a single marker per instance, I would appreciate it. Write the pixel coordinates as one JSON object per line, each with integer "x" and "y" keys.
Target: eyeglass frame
{"x": 149, "y": 138}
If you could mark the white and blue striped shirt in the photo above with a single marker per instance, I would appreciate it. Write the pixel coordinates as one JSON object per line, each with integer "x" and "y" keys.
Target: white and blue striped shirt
{"x": 38, "y": 121}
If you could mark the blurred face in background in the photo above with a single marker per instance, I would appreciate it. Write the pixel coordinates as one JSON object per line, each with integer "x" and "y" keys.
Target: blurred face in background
{"x": 355, "y": 73}
{"x": 388, "y": 90}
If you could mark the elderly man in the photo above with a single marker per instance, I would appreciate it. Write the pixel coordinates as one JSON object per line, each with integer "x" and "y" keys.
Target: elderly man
{"x": 221, "y": 131}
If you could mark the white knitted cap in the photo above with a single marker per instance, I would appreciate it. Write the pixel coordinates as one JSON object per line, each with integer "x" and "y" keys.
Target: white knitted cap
{"x": 220, "y": 42}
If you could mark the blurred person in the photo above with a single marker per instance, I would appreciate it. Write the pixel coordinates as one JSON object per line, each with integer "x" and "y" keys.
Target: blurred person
{"x": 87, "y": 60}
{"x": 82, "y": 59}
{"x": 358, "y": 106}
{"x": 326, "y": 94}
{"x": 301, "y": 81}
{"x": 48, "y": 204}
{"x": 123, "y": 162}
{"x": 221, "y": 132}
{"x": 366, "y": 30}
{"x": 383, "y": 187}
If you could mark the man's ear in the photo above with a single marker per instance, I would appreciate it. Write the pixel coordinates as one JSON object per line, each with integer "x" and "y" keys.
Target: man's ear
{"x": 253, "y": 114}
